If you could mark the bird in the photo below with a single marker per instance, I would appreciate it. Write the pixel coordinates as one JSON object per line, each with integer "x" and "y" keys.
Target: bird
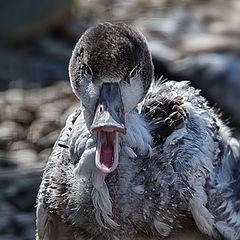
{"x": 140, "y": 158}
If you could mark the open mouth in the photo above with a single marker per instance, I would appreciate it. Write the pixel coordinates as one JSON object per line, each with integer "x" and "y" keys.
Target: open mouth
{"x": 107, "y": 151}
{"x": 108, "y": 122}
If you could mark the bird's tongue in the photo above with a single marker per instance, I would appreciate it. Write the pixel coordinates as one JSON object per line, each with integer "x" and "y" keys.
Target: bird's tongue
{"x": 106, "y": 152}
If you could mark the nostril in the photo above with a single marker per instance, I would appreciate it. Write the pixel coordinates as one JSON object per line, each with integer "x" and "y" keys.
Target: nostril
{"x": 118, "y": 110}
{"x": 100, "y": 109}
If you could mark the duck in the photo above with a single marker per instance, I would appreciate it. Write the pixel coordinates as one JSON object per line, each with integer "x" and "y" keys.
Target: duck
{"x": 140, "y": 158}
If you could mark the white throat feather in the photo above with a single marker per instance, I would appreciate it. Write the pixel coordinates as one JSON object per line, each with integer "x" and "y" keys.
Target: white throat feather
{"x": 136, "y": 142}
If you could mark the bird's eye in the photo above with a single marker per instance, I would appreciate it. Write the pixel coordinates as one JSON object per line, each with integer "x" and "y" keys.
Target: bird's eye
{"x": 133, "y": 73}
{"x": 86, "y": 69}
{"x": 80, "y": 56}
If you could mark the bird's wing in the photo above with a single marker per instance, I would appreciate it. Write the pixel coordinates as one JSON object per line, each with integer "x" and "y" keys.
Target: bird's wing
{"x": 50, "y": 227}
{"x": 52, "y": 191}
{"x": 181, "y": 123}
{"x": 166, "y": 113}
{"x": 223, "y": 192}
{"x": 194, "y": 140}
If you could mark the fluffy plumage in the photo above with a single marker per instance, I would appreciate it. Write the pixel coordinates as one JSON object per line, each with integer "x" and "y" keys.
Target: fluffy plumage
{"x": 178, "y": 164}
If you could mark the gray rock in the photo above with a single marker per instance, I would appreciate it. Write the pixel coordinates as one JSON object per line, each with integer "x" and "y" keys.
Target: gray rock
{"x": 24, "y": 158}
{"x": 18, "y": 114}
{"x": 19, "y": 145}
{"x": 43, "y": 156}
{"x": 48, "y": 140}
{"x": 5, "y": 161}
{"x": 9, "y": 132}
{"x": 40, "y": 128}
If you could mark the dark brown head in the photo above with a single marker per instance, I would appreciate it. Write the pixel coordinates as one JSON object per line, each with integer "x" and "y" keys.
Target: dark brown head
{"x": 111, "y": 53}
{"x": 110, "y": 71}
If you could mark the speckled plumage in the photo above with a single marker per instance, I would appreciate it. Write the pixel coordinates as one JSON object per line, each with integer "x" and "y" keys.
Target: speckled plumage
{"x": 177, "y": 165}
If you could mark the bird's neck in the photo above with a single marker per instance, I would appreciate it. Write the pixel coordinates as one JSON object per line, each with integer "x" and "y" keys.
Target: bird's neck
{"x": 137, "y": 142}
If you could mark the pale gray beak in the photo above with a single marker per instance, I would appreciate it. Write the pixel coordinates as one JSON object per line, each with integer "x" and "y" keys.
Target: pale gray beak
{"x": 109, "y": 113}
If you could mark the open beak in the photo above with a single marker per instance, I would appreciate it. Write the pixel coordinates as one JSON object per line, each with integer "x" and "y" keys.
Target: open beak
{"x": 109, "y": 121}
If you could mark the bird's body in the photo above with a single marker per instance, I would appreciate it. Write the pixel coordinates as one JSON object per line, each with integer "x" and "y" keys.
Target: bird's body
{"x": 173, "y": 163}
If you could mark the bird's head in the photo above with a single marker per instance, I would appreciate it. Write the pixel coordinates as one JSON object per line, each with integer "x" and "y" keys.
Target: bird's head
{"x": 110, "y": 72}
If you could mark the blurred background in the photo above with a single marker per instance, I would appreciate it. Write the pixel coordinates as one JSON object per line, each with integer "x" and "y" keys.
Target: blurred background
{"x": 195, "y": 40}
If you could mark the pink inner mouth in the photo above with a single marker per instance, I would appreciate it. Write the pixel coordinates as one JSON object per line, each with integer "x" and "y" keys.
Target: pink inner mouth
{"x": 107, "y": 151}
{"x": 107, "y": 140}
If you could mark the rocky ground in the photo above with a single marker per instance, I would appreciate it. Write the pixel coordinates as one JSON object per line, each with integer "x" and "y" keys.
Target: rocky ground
{"x": 30, "y": 121}
{"x": 190, "y": 40}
